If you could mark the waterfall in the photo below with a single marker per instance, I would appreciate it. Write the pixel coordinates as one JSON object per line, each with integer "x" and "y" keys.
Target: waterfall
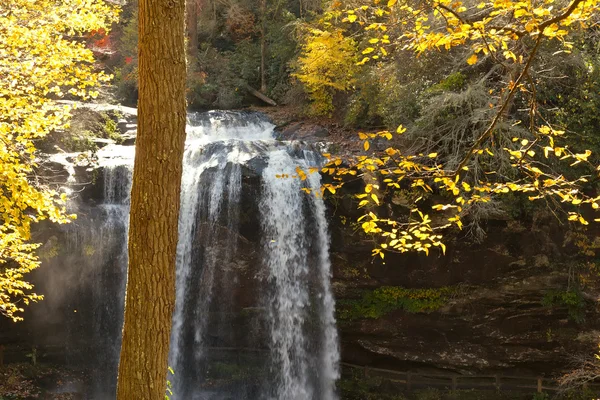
{"x": 329, "y": 351}
{"x": 296, "y": 361}
{"x": 209, "y": 184}
{"x": 108, "y": 301}
{"x": 293, "y": 355}
{"x": 84, "y": 278}
{"x": 254, "y": 315}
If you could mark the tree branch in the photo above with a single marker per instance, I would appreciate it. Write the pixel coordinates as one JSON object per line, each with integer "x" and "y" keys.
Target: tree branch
{"x": 490, "y": 129}
{"x": 562, "y": 16}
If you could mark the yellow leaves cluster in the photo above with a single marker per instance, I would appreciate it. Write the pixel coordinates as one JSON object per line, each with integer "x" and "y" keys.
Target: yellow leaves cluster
{"x": 415, "y": 235}
{"x": 506, "y": 32}
{"x": 493, "y": 28}
{"x": 40, "y": 59}
{"x": 327, "y": 64}
{"x": 391, "y": 171}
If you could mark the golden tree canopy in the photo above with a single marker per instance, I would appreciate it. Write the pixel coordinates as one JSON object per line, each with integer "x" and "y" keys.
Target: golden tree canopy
{"x": 506, "y": 34}
{"x": 41, "y": 58}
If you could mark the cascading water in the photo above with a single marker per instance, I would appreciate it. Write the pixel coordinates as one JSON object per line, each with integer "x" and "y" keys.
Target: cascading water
{"x": 108, "y": 309}
{"x": 84, "y": 275}
{"x": 303, "y": 337}
{"x": 254, "y": 316}
{"x": 290, "y": 350}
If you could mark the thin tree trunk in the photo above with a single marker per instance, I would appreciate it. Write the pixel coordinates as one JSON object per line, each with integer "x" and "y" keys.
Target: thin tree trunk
{"x": 263, "y": 47}
{"x": 154, "y": 201}
{"x": 192, "y": 30}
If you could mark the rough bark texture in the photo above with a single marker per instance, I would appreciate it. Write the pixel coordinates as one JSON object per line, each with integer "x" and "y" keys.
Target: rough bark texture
{"x": 263, "y": 47}
{"x": 154, "y": 201}
{"x": 192, "y": 29}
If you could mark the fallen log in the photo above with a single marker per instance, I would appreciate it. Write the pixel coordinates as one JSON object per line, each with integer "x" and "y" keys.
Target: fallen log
{"x": 260, "y": 96}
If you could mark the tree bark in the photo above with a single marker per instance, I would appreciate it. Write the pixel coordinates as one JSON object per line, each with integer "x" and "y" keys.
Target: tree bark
{"x": 192, "y": 30}
{"x": 155, "y": 195}
{"x": 263, "y": 47}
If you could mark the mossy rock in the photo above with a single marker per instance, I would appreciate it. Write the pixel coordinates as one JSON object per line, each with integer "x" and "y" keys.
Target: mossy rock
{"x": 84, "y": 128}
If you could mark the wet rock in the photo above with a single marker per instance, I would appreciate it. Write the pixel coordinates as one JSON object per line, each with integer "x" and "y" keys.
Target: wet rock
{"x": 128, "y": 138}
{"x": 301, "y": 131}
{"x": 102, "y": 142}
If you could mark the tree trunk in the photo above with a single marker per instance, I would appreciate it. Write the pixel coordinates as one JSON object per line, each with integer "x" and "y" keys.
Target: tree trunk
{"x": 192, "y": 31}
{"x": 263, "y": 47}
{"x": 155, "y": 192}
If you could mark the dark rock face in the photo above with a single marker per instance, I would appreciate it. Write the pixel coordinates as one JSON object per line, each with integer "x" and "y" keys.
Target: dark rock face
{"x": 300, "y": 131}
{"x": 494, "y": 323}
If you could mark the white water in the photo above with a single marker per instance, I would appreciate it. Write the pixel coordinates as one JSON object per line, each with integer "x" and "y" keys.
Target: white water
{"x": 289, "y": 268}
{"x": 212, "y": 176}
{"x": 330, "y": 353}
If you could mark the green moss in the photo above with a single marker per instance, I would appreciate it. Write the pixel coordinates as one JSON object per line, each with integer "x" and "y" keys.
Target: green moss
{"x": 377, "y": 303}
{"x": 454, "y": 83}
{"x": 80, "y": 143}
{"x": 110, "y": 128}
{"x": 89, "y": 250}
{"x": 579, "y": 394}
{"x": 227, "y": 372}
{"x": 222, "y": 370}
{"x": 49, "y": 251}
{"x": 359, "y": 387}
{"x": 571, "y": 299}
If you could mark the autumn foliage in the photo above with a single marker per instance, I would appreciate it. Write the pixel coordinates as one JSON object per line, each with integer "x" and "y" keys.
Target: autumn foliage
{"x": 41, "y": 59}
{"x": 499, "y": 40}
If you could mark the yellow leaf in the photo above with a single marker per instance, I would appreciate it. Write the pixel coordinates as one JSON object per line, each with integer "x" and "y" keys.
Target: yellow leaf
{"x": 550, "y": 31}
{"x": 472, "y": 60}
{"x": 301, "y": 173}
{"x": 375, "y": 198}
{"x": 366, "y": 145}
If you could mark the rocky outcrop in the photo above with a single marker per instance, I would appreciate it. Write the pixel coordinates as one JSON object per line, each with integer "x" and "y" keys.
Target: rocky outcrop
{"x": 495, "y": 321}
